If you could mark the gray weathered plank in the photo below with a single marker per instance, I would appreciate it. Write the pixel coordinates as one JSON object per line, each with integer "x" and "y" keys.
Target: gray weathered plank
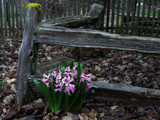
{"x": 72, "y": 22}
{"x": 24, "y": 9}
{"x": 83, "y": 7}
{"x": 25, "y": 54}
{"x": 125, "y": 94}
{"x": 8, "y": 17}
{"x": 128, "y": 17}
{"x": 133, "y": 18}
{"x": 46, "y": 8}
{"x": 79, "y": 7}
{"x": 20, "y": 12}
{"x": 13, "y": 17}
{"x": 1, "y": 19}
{"x": 5, "y": 17}
{"x": 76, "y": 21}
{"x": 88, "y": 5}
{"x": 75, "y": 7}
{"x": 123, "y": 12}
{"x": 118, "y": 16}
{"x": 17, "y": 18}
{"x": 153, "y": 19}
{"x": 51, "y": 6}
{"x": 60, "y": 8}
{"x": 65, "y": 8}
{"x": 137, "y": 17}
{"x": 143, "y": 18}
{"x": 148, "y": 19}
{"x": 112, "y": 20}
{"x": 96, "y": 39}
{"x": 69, "y": 9}
{"x": 108, "y": 15}
{"x": 158, "y": 26}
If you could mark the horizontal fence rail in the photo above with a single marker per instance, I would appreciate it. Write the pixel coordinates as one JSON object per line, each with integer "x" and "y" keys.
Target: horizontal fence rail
{"x": 126, "y": 17}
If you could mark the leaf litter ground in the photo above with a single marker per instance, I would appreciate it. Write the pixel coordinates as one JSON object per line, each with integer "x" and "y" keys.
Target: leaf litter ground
{"x": 112, "y": 66}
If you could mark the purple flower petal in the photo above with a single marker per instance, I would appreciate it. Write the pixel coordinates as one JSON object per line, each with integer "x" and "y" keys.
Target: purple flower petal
{"x": 54, "y": 73}
{"x": 59, "y": 76}
{"x": 56, "y": 90}
{"x": 88, "y": 79}
{"x": 74, "y": 68}
{"x": 88, "y": 87}
{"x": 44, "y": 80}
{"x": 47, "y": 84}
{"x": 64, "y": 80}
{"x": 47, "y": 76}
{"x": 67, "y": 69}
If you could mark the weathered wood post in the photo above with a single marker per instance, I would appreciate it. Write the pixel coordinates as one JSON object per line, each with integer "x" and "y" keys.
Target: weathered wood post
{"x": 100, "y": 22}
{"x": 26, "y": 54}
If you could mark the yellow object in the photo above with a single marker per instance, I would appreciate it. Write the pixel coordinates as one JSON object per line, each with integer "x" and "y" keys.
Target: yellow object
{"x": 36, "y": 5}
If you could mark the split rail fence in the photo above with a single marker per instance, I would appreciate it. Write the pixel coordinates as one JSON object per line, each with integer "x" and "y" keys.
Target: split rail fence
{"x": 126, "y": 17}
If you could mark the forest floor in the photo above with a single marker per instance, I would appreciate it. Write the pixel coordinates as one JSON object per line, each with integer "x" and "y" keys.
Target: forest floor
{"x": 112, "y": 66}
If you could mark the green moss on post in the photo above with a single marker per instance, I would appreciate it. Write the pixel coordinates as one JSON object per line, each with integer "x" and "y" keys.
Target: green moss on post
{"x": 36, "y": 5}
{"x": 38, "y": 8}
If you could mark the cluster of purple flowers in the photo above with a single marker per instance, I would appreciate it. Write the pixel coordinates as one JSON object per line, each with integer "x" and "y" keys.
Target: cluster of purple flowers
{"x": 68, "y": 77}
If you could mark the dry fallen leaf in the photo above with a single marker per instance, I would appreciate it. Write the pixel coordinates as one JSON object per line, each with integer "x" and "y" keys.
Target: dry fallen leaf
{"x": 8, "y": 99}
{"x": 39, "y": 101}
{"x": 68, "y": 117}
{"x": 50, "y": 116}
{"x": 93, "y": 113}
{"x": 113, "y": 107}
{"x": 9, "y": 81}
{"x": 11, "y": 113}
{"x": 83, "y": 116}
{"x": 13, "y": 87}
{"x": 97, "y": 68}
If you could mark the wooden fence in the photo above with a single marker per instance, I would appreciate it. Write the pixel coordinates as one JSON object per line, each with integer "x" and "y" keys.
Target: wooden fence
{"x": 126, "y": 17}
{"x": 133, "y": 17}
{"x": 12, "y": 14}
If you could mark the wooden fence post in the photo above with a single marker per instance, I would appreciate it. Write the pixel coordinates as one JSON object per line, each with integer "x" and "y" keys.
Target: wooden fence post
{"x": 101, "y": 18}
{"x": 25, "y": 54}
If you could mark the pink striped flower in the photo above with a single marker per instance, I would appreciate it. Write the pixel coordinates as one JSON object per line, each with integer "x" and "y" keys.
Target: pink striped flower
{"x": 88, "y": 77}
{"x": 47, "y": 76}
{"x": 54, "y": 74}
{"x": 89, "y": 85}
{"x": 67, "y": 71}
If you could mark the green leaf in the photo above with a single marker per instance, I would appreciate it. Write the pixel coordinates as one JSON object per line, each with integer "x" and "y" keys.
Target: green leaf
{"x": 46, "y": 93}
{"x": 92, "y": 91}
{"x": 74, "y": 101}
{"x": 83, "y": 87}
{"x": 79, "y": 69}
{"x": 75, "y": 63}
{"x": 62, "y": 69}
{"x": 64, "y": 64}
{"x": 67, "y": 100}
{"x": 61, "y": 97}
{"x": 80, "y": 88}
{"x": 54, "y": 96}
{"x": 95, "y": 86}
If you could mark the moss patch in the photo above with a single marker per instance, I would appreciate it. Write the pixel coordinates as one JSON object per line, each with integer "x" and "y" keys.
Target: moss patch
{"x": 36, "y": 5}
